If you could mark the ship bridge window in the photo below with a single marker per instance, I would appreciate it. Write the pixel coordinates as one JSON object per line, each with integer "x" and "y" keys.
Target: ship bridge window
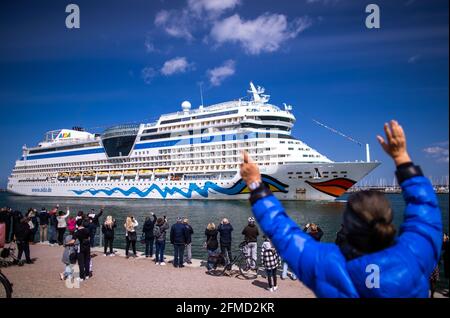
{"x": 159, "y": 136}
{"x": 251, "y": 125}
{"x": 177, "y": 120}
{"x": 86, "y": 145}
{"x": 230, "y": 112}
{"x": 149, "y": 131}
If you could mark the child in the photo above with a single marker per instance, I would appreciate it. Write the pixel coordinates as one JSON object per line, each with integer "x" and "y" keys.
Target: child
{"x": 69, "y": 256}
{"x": 271, "y": 261}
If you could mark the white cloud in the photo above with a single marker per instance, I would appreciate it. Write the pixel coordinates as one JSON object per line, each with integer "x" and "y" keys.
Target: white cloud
{"x": 175, "y": 23}
{"x": 266, "y": 33}
{"x": 438, "y": 151}
{"x": 176, "y": 65}
{"x": 414, "y": 59}
{"x": 149, "y": 46}
{"x": 148, "y": 73}
{"x": 211, "y": 7}
{"x": 219, "y": 74}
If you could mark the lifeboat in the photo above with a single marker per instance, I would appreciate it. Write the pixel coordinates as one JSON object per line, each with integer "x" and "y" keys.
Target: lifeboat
{"x": 130, "y": 173}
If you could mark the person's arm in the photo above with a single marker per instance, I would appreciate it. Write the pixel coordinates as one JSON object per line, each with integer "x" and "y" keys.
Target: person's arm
{"x": 67, "y": 213}
{"x": 307, "y": 258}
{"x": 136, "y": 223}
{"x": 172, "y": 235}
{"x": 421, "y": 230}
{"x": 154, "y": 218}
{"x": 319, "y": 233}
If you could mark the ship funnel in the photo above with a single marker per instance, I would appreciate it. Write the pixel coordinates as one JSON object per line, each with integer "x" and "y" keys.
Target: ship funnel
{"x": 367, "y": 153}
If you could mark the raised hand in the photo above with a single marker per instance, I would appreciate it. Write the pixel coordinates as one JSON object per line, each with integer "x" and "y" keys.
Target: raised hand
{"x": 395, "y": 145}
{"x": 249, "y": 170}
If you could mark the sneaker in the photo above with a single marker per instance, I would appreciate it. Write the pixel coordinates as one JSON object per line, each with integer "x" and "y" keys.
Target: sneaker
{"x": 162, "y": 264}
{"x": 86, "y": 278}
{"x": 61, "y": 276}
{"x": 180, "y": 266}
{"x": 105, "y": 254}
{"x": 112, "y": 254}
{"x": 270, "y": 289}
{"x": 275, "y": 288}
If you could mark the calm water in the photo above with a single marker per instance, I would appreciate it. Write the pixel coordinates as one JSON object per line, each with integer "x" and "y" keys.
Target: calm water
{"x": 326, "y": 214}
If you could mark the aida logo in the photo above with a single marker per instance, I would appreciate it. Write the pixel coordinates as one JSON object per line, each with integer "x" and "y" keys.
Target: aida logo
{"x": 64, "y": 135}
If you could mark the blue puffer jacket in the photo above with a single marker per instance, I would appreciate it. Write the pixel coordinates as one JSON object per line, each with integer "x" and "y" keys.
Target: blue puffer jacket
{"x": 404, "y": 268}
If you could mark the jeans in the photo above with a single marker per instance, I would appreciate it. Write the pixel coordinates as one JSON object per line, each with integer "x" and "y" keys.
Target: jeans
{"x": 61, "y": 231}
{"x": 84, "y": 259}
{"x": 252, "y": 252}
{"x": 212, "y": 258}
{"x": 68, "y": 271}
{"x": 160, "y": 247}
{"x": 43, "y": 232}
{"x": 24, "y": 246}
{"x": 52, "y": 234}
{"x": 226, "y": 249}
{"x": 188, "y": 250}
{"x": 92, "y": 238}
{"x": 149, "y": 246}
{"x": 133, "y": 246}
{"x": 272, "y": 277}
{"x": 108, "y": 243}
{"x": 178, "y": 254}
{"x": 285, "y": 272}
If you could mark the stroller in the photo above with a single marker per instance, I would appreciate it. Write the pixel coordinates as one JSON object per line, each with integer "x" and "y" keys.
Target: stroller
{"x": 8, "y": 255}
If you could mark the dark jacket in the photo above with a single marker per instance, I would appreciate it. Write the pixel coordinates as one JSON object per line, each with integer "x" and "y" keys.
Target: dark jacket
{"x": 149, "y": 225}
{"x": 108, "y": 232}
{"x": 405, "y": 267}
{"x": 16, "y": 217}
{"x": 317, "y": 235}
{"x": 95, "y": 219}
{"x": 211, "y": 239}
{"x": 43, "y": 217}
{"x": 251, "y": 233}
{"x": 52, "y": 220}
{"x": 22, "y": 232}
{"x": 190, "y": 231}
{"x": 92, "y": 228}
{"x": 178, "y": 234}
{"x": 225, "y": 234}
{"x": 83, "y": 236}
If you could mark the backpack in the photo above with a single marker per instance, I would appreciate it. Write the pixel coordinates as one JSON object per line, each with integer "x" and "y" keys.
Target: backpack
{"x": 156, "y": 231}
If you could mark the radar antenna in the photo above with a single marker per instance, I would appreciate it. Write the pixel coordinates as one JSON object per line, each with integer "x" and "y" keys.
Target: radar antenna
{"x": 258, "y": 94}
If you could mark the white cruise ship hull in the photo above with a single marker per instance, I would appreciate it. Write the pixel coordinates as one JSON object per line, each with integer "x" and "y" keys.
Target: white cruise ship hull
{"x": 294, "y": 181}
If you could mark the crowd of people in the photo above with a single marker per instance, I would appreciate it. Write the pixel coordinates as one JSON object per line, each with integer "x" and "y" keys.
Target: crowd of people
{"x": 367, "y": 237}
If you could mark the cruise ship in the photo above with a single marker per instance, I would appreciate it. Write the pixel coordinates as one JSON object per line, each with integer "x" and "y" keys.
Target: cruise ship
{"x": 190, "y": 154}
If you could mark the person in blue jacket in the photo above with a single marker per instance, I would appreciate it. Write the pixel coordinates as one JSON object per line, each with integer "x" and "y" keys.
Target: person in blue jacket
{"x": 371, "y": 261}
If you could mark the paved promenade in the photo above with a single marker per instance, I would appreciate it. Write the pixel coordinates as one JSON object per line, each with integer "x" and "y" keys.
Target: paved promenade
{"x": 137, "y": 278}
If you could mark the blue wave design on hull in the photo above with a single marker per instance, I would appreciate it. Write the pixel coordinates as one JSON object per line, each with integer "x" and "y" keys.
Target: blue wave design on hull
{"x": 237, "y": 188}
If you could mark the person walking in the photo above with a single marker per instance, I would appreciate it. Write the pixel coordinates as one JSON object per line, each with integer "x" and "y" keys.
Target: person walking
{"x": 62, "y": 225}
{"x": 251, "y": 234}
{"x": 43, "y": 225}
{"x": 108, "y": 235}
{"x": 34, "y": 224}
{"x": 190, "y": 232}
{"x": 284, "y": 273}
{"x": 149, "y": 237}
{"x": 371, "y": 241}
{"x": 212, "y": 245}
{"x": 271, "y": 261}
{"x": 131, "y": 235}
{"x": 84, "y": 253}
{"x": 225, "y": 230}
{"x": 159, "y": 232}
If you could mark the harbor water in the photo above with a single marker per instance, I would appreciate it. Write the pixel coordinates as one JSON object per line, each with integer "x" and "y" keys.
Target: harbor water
{"x": 201, "y": 212}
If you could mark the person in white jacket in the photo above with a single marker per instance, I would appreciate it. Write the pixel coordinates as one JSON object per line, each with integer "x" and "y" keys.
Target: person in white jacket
{"x": 62, "y": 225}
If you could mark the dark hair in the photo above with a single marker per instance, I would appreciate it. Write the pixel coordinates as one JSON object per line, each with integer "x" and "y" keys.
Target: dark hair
{"x": 368, "y": 221}
{"x": 85, "y": 223}
{"x": 79, "y": 222}
{"x": 160, "y": 221}
{"x": 60, "y": 213}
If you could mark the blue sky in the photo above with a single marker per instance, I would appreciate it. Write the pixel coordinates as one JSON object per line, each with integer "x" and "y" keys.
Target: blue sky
{"x": 130, "y": 61}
